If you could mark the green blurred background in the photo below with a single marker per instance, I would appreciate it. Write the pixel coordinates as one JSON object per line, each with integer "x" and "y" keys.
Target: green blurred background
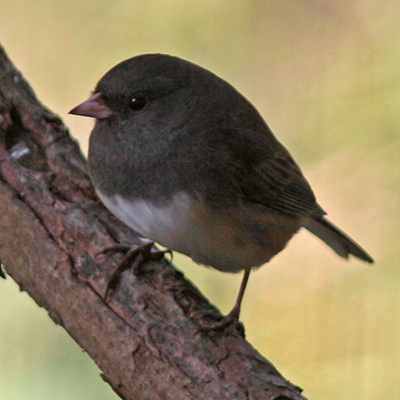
{"x": 325, "y": 75}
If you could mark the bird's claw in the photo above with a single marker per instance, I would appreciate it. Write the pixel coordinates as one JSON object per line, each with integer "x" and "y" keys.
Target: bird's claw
{"x": 135, "y": 257}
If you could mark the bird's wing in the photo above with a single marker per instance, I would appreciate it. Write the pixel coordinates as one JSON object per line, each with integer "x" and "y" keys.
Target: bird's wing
{"x": 270, "y": 177}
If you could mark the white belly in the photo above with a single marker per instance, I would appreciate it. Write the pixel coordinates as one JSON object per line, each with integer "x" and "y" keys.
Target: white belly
{"x": 223, "y": 240}
{"x": 164, "y": 225}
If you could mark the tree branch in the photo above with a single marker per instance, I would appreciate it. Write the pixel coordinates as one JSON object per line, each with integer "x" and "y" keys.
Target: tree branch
{"x": 145, "y": 339}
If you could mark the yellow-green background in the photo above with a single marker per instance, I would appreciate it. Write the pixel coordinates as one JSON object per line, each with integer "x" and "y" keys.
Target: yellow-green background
{"x": 325, "y": 74}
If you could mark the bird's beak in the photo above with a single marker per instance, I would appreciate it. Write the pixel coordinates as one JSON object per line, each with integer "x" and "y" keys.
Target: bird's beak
{"x": 94, "y": 107}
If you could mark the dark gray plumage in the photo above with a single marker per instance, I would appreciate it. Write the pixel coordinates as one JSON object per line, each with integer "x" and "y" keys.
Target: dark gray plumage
{"x": 185, "y": 160}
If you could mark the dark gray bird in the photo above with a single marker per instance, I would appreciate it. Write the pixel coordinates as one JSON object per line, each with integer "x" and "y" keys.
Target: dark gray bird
{"x": 186, "y": 161}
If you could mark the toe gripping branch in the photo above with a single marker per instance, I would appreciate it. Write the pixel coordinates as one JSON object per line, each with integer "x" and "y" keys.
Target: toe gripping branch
{"x": 134, "y": 257}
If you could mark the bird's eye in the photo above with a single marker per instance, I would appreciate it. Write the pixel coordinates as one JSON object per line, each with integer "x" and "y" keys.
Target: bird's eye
{"x": 138, "y": 103}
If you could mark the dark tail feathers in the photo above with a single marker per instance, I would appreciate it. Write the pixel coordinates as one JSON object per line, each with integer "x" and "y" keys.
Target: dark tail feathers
{"x": 336, "y": 239}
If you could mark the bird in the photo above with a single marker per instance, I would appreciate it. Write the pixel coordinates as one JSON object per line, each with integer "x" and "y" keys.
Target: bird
{"x": 186, "y": 161}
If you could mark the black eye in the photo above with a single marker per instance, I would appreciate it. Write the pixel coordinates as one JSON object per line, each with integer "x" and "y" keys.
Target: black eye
{"x": 138, "y": 103}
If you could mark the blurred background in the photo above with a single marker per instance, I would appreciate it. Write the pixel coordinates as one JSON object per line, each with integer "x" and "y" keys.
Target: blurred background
{"x": 325, "y": 74}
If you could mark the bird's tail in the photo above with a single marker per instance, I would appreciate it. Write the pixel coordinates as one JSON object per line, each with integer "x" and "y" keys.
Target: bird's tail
{"x": 336, "y": 239}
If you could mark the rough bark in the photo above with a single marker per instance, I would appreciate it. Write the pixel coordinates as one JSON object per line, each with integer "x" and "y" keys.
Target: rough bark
{"x": 145, "y": 339}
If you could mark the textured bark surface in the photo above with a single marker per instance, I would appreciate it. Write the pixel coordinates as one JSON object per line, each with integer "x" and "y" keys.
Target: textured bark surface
{"x": 145, "y": 339}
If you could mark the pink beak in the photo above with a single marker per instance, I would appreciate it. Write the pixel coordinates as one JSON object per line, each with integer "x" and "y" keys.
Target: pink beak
{"x": 94, "y": 107}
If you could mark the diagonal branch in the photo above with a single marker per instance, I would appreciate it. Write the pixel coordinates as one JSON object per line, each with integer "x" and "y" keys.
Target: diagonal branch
{"x": 145, "y": 339}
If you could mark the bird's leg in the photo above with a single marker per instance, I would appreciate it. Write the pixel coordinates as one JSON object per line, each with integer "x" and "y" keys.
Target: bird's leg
{"x": 135, "y": 257}
{"x": 233, "y": 316}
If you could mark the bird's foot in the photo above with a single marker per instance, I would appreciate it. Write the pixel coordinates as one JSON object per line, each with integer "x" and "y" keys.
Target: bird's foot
{"x": 134, "y": 257}
{"x": 231, "y": 319}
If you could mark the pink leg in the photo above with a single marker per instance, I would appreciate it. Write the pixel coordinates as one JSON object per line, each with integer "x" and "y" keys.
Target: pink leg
{"x": 233, "y": 316}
